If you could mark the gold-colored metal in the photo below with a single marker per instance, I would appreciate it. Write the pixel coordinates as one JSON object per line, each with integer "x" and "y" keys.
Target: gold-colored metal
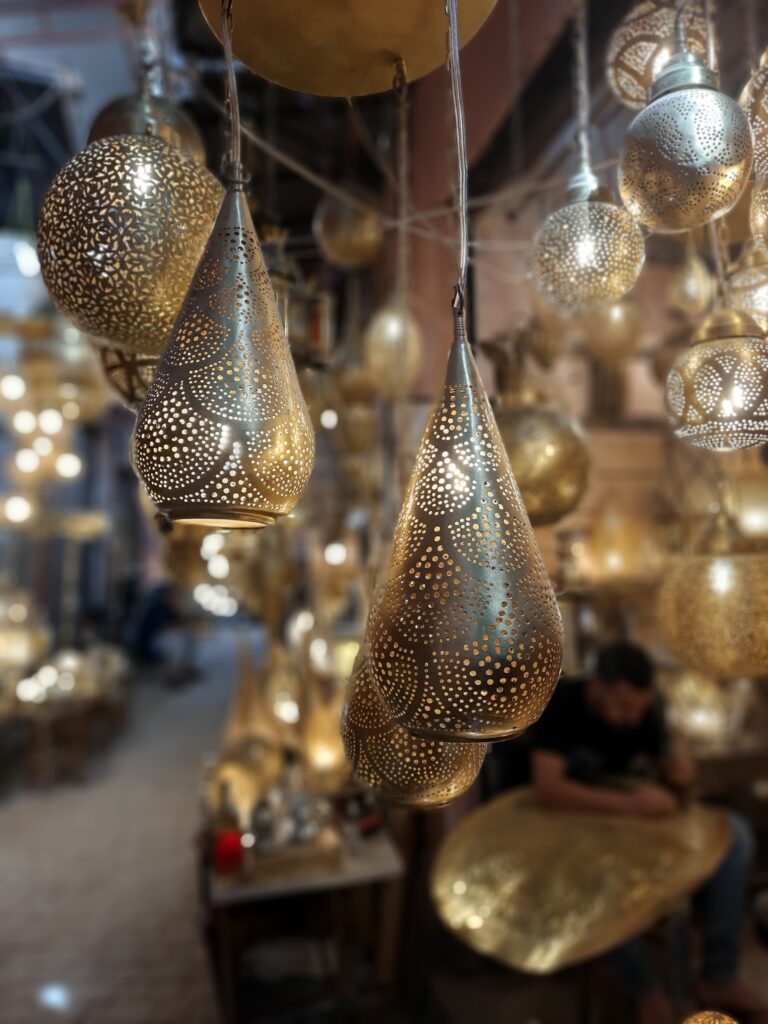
{"x": 713, "y": 612}
{"x": 693, "y": 287}
{"x": 144, "y": 114}
{"x": 120, "y": 233}
{"x": 586, "y": 255}
{"x": 688, "y": 155}
{"x": 494, "y": 885}
{"x": 614, "y": 333}
{"x": 642, "y": 44}
{"x": 129, "y": 374}
{"x": 223, "y": 437}
{"x": 717, "y": 390}
{"x": 758, "y": 210}
{"x": 336, "y": 48}
{"x": 467, "y": 640}
{"x": 709, "y": 1017}
{"x": 359, "y": 428}
{"x": 393, "y": 351}
{"x": 707, "y": 712}
{"x": 748, "y": 284}
{"x": 548, "y": 454}
{"x": 754, "y": 101}
{"x": 414, "y": 771}
{"x": 347, "y": 236}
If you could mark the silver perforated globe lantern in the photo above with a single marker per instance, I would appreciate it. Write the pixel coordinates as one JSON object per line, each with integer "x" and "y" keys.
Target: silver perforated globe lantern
{"x": 688, "y": 155}
{"x": 717, "y": 390}
{"x": 588, "y": 253}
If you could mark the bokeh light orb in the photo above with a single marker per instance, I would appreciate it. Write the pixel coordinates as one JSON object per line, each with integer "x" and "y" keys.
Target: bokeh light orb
{"x": 613, "y": 333}
{"x": 393, "y": 350}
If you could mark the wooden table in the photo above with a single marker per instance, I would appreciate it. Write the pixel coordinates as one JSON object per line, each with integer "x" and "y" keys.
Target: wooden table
{"x": 316, "y": 900}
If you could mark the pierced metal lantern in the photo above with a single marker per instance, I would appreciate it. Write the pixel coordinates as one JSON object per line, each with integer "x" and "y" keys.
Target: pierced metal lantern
{"x": 717, "y": 390}
{"x": 548, "y": 454}
{"x": 713, "y": 612}
{"x": 643, "y": 43}
{"x": 615, "y": 332}
{"x": 754, "y": 101}
{"x": 223, "y": 437}
{"x": 129, "y": 374}
{"x": 693, "y": 287}
{"x": 709, "y": 1017}
{"x": 393, "y": 351}
{"x": 749, "y": 283}
{"x": 120, "y": 233}
{"x": 347, "y": 235}
{"x": 758, "y": 210}
{"x": 466, "y": 642}
{"x": 588, "y": 253}
{"x": 414, "y": 771}
{"x": 143, "y": 114}
{"x": 688, "y": 155}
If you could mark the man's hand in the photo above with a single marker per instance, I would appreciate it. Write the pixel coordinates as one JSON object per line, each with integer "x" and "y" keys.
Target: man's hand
{"x": 652, "y": 802}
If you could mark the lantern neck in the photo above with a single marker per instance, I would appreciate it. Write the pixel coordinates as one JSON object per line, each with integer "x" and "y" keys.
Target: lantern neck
{"x": 684, "y": 70}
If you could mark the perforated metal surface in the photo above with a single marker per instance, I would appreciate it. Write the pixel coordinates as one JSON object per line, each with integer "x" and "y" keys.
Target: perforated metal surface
{"x": 643, "y": 43}
{"x": 749, "y": 285}
{"x": 121, "y": 230}
{"x": 129, "y": 374}
{"x": 223, "y": 436}
{"x": 415, "y": 771}
{"x": 687, "y": 159}
{"x": 709, "y": 1017}
{"x": 144, "y": 114}
{"x": 467, "y": 639}
{"x": 717, "y": 394}
{"x": 713, "y": 612}
{"x": 754, "y": 101}
{"x": 586, "y": 255}
{"x": 758, "y": 210}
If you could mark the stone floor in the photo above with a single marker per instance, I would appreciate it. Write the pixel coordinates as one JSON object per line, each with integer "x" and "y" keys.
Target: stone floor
{"x": 97, "y": 886}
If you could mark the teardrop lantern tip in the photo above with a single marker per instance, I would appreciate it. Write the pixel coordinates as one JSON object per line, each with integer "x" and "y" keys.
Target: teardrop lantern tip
{"x": 224, "y": 437}
{"x": 467, "y": 641}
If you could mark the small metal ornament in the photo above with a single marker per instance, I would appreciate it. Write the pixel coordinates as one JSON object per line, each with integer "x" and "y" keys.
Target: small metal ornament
{"x": 688, "y": 155}
{"x": 467, "y": 640}
{"x": 223, "y": 437}
{"x": 717, "y": 390}
{"x": 413, "y": 771}
{"x": 129, "y": 374}
{"x": 347, "y": 236}
{"x": 145, "y": 114}
{"x": 643, "y": 43}
{"x": 393, "y": 351}
{"x": 121, "y": 230}
{"x": 754, "y": 102}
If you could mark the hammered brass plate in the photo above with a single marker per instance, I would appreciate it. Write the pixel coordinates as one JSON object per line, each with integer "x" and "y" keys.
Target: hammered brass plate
{"x": 540, "y": 890}
{"x": 342, "y": 47}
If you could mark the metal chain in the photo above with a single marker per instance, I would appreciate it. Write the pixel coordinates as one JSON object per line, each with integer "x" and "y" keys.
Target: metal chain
{"x": 581, "y": 83}
{"x": 454, "y": 66}
{"x": 400, "y": 85}
{"x": 235, "y": 169}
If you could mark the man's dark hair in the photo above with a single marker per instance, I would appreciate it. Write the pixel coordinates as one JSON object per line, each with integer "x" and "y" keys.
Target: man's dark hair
{"x": 626, "y": 663}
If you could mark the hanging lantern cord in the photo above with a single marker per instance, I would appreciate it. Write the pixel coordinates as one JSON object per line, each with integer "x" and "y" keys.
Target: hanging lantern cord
{"x": 454, "y": 67}
{"x": 581, "y": 85}
{"x": 682, "y": 11}
{"x": 400, "y": 85}
{"x": 235, "y": 169}
{"x": 718, "y": 237}
{"x": 709, "y": 14}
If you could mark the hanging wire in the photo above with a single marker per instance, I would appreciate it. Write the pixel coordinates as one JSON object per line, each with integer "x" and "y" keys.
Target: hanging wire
{"x": 454, "y": 66}
{"x": 235, "y": 169}
{"x": 710, "y": 16}
{"x": 581, "y": 84}
{"x": 682, "y": 11}
{"x": 400, "y": 85}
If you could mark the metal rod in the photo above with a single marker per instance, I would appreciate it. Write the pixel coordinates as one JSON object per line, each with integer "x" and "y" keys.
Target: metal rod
{"x": 400, "y": 86}
{"x": 581, "y": 73}
{"x": 235, "y": 156}
{"x": 454, "y": 66}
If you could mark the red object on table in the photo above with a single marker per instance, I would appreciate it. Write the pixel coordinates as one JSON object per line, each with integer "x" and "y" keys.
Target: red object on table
{"x": 227, "y": 851}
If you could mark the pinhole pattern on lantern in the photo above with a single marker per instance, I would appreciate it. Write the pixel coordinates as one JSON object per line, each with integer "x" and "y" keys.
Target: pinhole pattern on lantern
{"x": 587, "y": 254}
{"x": 415, "y": 771}
{"x": 643, "y": 43}
{"x": 754, "y": 101}
{"x": 709, "y": 1017}
{"x": 129, "y": 374}
{"x": 717, "y": 394}
{"x": 466, "y": 642}
{"x": 223, "y": 436}
{"x": 758, "y": 210}
{"x": 687, "y": 159}
{"x": 120, "y": 233}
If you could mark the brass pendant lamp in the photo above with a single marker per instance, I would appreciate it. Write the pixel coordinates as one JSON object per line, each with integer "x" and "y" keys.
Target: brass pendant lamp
{"x": 224, "y": 438}
{"x": 466, "y": 643}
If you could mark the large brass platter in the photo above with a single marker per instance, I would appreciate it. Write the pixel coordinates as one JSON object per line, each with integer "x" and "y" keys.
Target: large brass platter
{"x": 342, "y": 47}
{"x": 540, "y": 890}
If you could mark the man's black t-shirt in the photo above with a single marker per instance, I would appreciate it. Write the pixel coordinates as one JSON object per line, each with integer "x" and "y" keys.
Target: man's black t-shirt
{"x": 593, "y": 748}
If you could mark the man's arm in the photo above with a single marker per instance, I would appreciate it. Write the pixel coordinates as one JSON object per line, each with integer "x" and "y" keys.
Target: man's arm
{"x": 555, "y": 791}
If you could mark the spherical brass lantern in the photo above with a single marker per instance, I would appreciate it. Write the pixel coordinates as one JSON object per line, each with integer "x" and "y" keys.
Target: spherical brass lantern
{"x": 143, "y": 114}
{"x": 120, "y": 233}
{"x": 466, "y": 641}
{"x": 348, "y": 236}
{"x": 414, "y": 771}
{"x": 643, "y": 43}
{"x": 688, "y": 155}
{"x": 717, "y": 390}
{"x": 615, "y": 332}
{"x": 393, "y": 350}
{"x": 129, "y": 374}
{"x": 749, "y": 283}
{"x": 709, "y": 1017}
{"x": 588, "y": 253}
{"x": 754, "y": 101}
{"x": 223, "y": 437}
{"x": 548, "y": 454}
{"x": 693, "y": 287}
{"x": 713, "y": 612}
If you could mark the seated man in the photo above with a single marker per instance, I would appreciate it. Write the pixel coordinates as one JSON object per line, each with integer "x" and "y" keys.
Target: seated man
{"x": 602, "y": 727}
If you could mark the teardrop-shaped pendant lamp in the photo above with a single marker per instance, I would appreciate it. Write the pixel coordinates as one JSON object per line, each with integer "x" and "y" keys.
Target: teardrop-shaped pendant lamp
{"x": 224, "y": 437}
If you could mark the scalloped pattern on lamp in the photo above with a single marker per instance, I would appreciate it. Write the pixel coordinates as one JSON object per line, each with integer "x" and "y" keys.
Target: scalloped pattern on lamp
{"x": 121, "y": 230}
{"x": 466, "y": 641}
